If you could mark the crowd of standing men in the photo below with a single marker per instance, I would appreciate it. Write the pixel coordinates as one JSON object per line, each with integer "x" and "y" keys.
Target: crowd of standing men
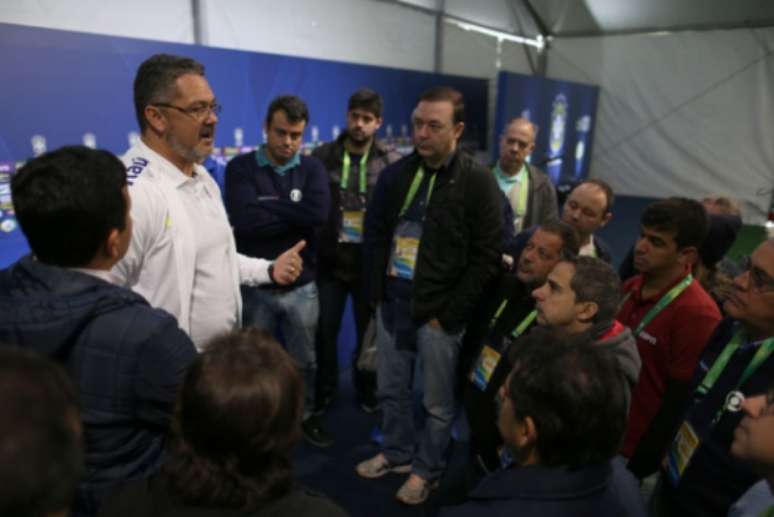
{"x": 576, "y": 384}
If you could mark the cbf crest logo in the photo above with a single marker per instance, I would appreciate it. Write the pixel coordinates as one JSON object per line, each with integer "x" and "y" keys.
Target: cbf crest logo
{"x": 558, "y": 124}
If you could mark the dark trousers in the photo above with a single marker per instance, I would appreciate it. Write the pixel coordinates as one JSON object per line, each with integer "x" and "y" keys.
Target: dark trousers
{"x": 333, "y": 294}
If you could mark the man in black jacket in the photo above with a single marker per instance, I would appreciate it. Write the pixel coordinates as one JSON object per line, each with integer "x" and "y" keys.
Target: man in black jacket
{"x": 433, "y": 235}
{"x": 353, "y": 163}
{"x": 126, "y": 358}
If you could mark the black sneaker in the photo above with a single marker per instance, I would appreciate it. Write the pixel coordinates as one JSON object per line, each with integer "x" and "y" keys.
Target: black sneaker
{"x": 314, "y": 433}
{"x": 323, "y": 404}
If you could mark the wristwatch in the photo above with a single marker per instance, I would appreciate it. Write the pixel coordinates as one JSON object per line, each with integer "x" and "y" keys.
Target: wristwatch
{"x": 271, "y": 273}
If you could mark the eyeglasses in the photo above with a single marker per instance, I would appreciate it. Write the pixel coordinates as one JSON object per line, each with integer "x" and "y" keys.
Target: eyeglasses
{"x": 198, "y": 113}
{"x": 759, "y": 280}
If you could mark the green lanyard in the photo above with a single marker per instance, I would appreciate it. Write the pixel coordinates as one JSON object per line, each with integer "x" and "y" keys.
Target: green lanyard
{"x": 521, "y": 208}
{"x": 521, "y": 327}
{"x": 347, "y": 162}
{"x": 413, "y": 190}
{"x": 763, "y": 353}
{"x": 663, "y": 302}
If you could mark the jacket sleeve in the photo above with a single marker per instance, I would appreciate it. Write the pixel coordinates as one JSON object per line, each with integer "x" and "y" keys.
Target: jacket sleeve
{"x": 312, "y": 209}
{"x": 654, "y": 443}
{"x": 509, "y": 233}
{"x": 483, "y": 258}
{"x": 163, "y": 360}
{"x": 377, "y": 236}
{"x": 549, "y": 205}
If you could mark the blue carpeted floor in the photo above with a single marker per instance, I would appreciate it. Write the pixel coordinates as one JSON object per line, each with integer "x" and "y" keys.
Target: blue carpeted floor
{"x": 331, "y": 471}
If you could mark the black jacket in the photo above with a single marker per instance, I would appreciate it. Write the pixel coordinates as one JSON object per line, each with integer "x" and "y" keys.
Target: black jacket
{"x": 149, "y": 498}
{"x": 520, "y": 242}
{"x": 344, "y": 260}
{"x": 605, "y": 490}
{"x": 461, "y": 238}
{"x": 126, "y": 358}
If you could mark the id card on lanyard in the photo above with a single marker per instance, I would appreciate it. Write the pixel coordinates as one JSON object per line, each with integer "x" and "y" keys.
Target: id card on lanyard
{"x": 352, "y": 210}
{"x": 490, "y": 356}
{"x": 687, "y": 440}
{"x": 408, "y": 234}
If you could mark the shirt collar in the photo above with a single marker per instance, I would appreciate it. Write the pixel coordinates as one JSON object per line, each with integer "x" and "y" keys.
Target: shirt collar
{"x": 263, "y": 161}
{"x": 445, "y": 164}
{"x": 170, "y": 171}
{"x": 640, "y": 280}
{"x": 102, "y": 274}
{"x": 516, "y": 178}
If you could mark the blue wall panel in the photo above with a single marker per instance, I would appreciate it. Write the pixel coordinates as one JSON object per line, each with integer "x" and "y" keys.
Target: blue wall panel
{"x": 565, "y": 112}
{"x": 61, "y": 85}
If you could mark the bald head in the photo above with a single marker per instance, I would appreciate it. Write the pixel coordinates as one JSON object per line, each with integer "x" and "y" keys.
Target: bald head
{"x": 516, "y": 144}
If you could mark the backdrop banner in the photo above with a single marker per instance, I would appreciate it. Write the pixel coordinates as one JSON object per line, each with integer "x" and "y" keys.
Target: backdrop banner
{"x": 63, "y": 88}
{"x": 565, "y": 114}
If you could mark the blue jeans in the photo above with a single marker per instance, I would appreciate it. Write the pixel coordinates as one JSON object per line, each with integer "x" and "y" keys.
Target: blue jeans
{"x": 437, "y": 351}
{"x": 296, "y": 312}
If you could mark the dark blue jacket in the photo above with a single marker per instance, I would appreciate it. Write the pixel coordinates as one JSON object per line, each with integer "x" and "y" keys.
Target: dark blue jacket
{"x": 266, "y": 219}
{"x": 714, "y": 479}
{"x": 126, "y": 358}
{"x": 520, "y": 241}
{"x": 598, "y": 491}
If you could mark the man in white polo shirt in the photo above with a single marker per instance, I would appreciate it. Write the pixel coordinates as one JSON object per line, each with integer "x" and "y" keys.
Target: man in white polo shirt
{"x": 182, "y": 256}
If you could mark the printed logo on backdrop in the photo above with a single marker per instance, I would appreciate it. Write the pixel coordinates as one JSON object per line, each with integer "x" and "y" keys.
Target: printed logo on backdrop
{"x": 582, "y": 128}
{"x": 90, "y": 140}
{"x": 7, "y": 216}
{"x": 133, "y": 137}
{"x": 38, "y": 144}
{"x": 556, "y": 137}
{"x": 527, "y": 114}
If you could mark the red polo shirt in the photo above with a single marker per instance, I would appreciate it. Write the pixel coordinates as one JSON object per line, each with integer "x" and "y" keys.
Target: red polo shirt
{"x": 670, "y": 347}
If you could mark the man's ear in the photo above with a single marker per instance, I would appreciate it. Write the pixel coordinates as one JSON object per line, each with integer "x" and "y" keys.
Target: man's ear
{"x": 459, "y": 127}
{"x": 527, "y": 433}
{"x": 112, "y": 245}
{"x": 606, "y": 219}
{"x": 688, "y": 255}
{"x": 587, "y": 311}
{"x": 155, "y": 119}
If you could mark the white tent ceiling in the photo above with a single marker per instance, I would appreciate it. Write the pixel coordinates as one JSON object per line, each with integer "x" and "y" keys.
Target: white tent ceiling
{"x": 566, "y": 18}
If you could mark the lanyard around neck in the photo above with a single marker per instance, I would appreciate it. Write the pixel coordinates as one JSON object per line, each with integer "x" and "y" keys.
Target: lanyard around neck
{"x": 522, "y": 178}
{"x": 346, "y": 164}
{"x": 763, "y": 353}
{"x": 521, "y": 327}
{"x": 663, "y": 302}
{"x": 420, "y": 174}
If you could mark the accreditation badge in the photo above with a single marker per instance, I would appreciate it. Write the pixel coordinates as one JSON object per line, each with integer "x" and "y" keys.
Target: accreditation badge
{"x": 351, "y": 226}
{"x": 485, "y": 365}
{"x": 405, "y": 247}
{"x": 680, "y": 452}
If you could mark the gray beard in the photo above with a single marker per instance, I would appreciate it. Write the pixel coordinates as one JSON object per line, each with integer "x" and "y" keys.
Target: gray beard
{"x": 189, "y": 153}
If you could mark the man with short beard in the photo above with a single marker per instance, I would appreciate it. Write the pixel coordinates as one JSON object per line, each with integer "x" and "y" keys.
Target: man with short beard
{"x": 182, "y": 257}
{"x": 353, "y": 163}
